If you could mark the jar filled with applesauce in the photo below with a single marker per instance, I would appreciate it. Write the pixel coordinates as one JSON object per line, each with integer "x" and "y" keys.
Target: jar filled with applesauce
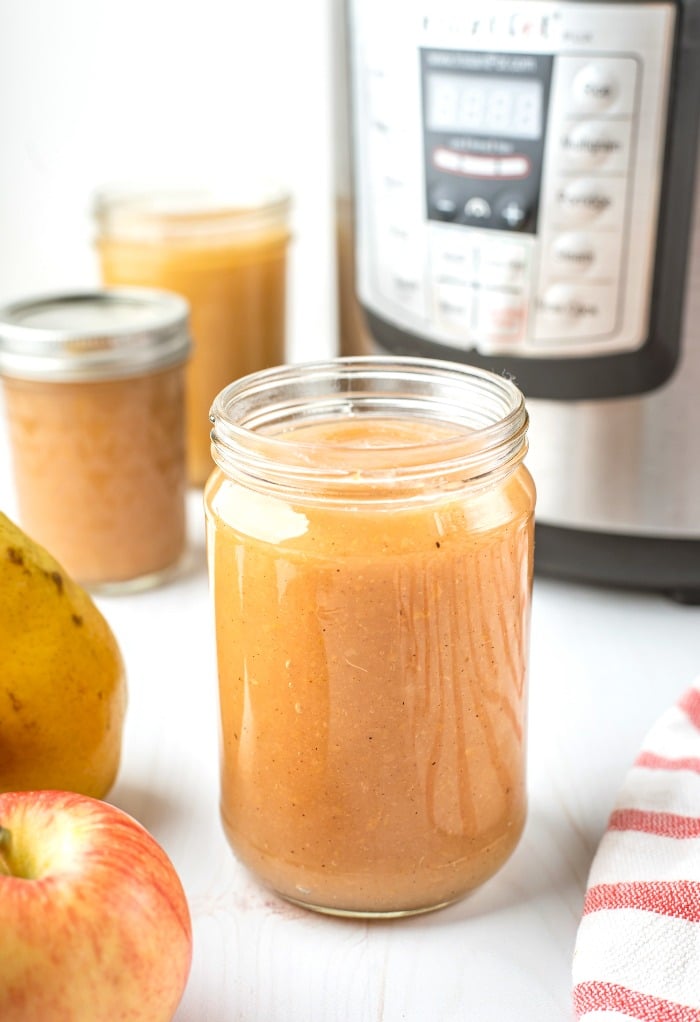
{"x": 94, "y": 394}
{"x": 227, "y": 256}
{"x": 370, "y": 545}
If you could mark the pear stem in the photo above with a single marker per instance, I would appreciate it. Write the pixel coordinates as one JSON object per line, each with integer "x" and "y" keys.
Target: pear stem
{"x": 5, "y": 843}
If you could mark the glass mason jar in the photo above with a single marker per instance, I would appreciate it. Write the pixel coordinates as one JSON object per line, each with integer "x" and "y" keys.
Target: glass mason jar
{"x": 94, "y": 395}
{"x": 228, "y": 258}
{"x": 370, "y": 543}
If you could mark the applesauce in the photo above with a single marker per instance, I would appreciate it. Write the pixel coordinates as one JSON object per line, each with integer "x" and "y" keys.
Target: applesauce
{"x": 370, "y": 537}
{"x": 94, "y": 394}
{"x": 228, "y": 261}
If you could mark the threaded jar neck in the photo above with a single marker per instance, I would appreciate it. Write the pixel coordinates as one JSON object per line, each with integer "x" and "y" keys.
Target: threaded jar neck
{"x": 474, "y": 428}
{"x": 189, "y": 215}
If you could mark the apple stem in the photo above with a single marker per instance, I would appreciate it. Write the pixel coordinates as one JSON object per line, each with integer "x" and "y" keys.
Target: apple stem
{"x": 5, "y": 842}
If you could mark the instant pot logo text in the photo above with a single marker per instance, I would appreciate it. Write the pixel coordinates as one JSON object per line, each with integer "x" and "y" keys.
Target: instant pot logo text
{"x": 515, "y": 25}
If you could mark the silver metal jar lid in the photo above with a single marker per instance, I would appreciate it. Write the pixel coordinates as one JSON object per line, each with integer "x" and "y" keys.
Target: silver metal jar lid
{"x": 104, "y": 334}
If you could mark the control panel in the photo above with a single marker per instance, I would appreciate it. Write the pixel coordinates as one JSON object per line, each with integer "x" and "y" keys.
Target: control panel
{"x": 483, "y": 131}
{"x": 508, "y": 172}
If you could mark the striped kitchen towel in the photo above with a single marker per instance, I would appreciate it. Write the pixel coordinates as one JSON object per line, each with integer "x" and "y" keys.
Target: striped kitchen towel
{"x": 637, "y": 954}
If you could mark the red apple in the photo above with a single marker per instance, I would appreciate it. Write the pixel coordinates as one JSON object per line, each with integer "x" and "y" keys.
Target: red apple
{"x": 94, "y": 923}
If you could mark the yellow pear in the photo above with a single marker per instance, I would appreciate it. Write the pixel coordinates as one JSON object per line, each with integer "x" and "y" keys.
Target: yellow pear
{"x": 62, "y": 682}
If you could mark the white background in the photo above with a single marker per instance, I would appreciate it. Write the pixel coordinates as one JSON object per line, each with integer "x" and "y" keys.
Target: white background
{"x": 103, "y": 92}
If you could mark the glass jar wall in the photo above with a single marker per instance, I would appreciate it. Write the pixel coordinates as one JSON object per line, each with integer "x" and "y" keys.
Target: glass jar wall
{"x": 370, "y": 529}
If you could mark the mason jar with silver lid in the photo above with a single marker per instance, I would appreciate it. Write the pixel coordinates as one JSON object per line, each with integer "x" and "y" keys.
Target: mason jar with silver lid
{"x": 94, "y": 395}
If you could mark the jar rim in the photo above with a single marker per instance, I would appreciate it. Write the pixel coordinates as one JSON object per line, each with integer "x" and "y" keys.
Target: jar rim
{"x": 180, "y": 211}
{"x": 253, "y": 420}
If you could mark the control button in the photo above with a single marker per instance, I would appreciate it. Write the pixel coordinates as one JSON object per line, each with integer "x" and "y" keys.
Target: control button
{"x": 595, "y": 87}
{"x": 591, "y": 85}
{"x": 513, "y": 212}
{"x": 379, "y": 97}
{"x": 501, "y": 317}
{"x": 513, "y": 166}
{"x": 400, "y": 274}
{"x": 477, "y": 208}
{"x": 566, "y": 312}
{"x": 393, "y": 183}
{"x": 453, "y": 306}
{"x": 578, "y": 255}
{"x": 451, "y": 255}
{"x": 405, "y": 288}
{"x": 584, "y": 200}
{"x": 564, "y": 305}
{"x": 465, "y": 164}
{"x": 446, "y": 159}
{"x": 453, "y": 268}
{"x": 478, "y": 166}
{"x": 443, "y": 206}
{"x": 503, "y": 265}
{"x": 592, "y": 144}
{"x": 573, "y": 253}
{"x": 582, "y": 257}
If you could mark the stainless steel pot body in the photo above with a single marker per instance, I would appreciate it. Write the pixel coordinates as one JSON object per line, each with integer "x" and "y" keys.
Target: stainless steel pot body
{"x": 522, "y": 191}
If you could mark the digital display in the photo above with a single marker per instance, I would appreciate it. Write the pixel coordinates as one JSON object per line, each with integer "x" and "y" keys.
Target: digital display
{"x": 484, "y": 104}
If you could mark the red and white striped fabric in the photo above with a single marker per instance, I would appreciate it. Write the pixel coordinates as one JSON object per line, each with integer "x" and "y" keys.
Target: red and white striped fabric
{"x": 637, "y": 953}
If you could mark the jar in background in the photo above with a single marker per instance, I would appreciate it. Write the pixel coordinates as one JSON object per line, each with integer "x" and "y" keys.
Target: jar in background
{"x": 94, "y": 393}
{"x": 370, "y": 543}
{"x": 229, "y": 260}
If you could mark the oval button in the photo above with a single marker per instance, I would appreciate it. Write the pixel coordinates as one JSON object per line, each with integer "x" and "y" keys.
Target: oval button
{"x": 443, "y": 205}
{"x": 590, "y": 144}
{"x": 477, "y": 209}
{"x": 584, "y": 199}
{"x": 567, "y": 313}
{"x": 562, "y": 305}
{"x": 573, "y": 253}
{"x": 595, "y": 88}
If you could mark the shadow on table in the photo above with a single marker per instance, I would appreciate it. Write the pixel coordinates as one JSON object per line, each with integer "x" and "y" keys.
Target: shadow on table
{"x": 194, "y": 561}
{"x": 551, "y": 862}
{"x": 151, "y": 808}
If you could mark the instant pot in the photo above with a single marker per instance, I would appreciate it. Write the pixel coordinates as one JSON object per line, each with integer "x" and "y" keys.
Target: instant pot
{"x": 520, "y": 189}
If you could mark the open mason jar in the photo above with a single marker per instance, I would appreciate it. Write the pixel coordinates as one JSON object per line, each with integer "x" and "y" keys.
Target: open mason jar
{"x": 370, "y": 540}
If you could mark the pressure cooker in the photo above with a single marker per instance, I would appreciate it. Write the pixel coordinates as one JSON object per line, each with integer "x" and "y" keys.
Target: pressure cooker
{"x": 520, "y": 189}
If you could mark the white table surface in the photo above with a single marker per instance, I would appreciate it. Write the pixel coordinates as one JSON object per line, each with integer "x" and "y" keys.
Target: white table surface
{"x": 604, "y": 665}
